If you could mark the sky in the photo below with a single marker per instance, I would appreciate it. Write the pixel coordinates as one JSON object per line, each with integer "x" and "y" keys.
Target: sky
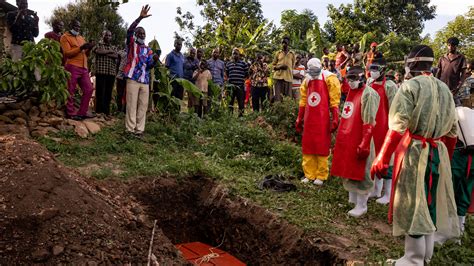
{"x": 162, "y": 25}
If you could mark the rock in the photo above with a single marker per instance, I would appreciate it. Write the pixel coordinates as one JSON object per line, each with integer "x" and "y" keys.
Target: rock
{"x": 3, "y": 106}
{"x": 40, "y": 255}
{"x": 35, "y": 118}
{"x": 57, "y": 249}
{"x": 34, "y": 112}
{"x": 53, "y": 120}
{"x": 38, "y": 133}
{"x": 32, "y": 124}
{"x": 12, "y": 114}
{"x": 26, "y": 106}
{"x": 65, "y": 127}
{"x": 42, "y": 114}
{"x": 13, "y": 106}
{"x": 6, "y": 119}
{"x": 14, "y": 130}
{"x": 59, "y": 113}
{"x": 43, "y": 108}
{"x": 52, "y": 130}
{"x": 81, "y": 130}
{"x": 20, "y": 121}
{"x": 92, "y": 127}
{"x": 43, "y": 124}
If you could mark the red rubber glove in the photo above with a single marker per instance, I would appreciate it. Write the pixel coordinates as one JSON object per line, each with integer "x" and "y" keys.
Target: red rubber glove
{"x": 380, "y": 164}
{"x": 450, "y": 145}
{"x": 335, "y": 118}
{"x": 363, "y": 150}
{"x": 299, "y": 120}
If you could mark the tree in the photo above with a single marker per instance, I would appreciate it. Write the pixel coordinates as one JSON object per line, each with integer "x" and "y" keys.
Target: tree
{"x": 228, "y": 24}
{"x": 303, "y": 30}
{"x": 461, "y": 27}
{"x": 404, "y": 18}
{"x": 92, "y": 24}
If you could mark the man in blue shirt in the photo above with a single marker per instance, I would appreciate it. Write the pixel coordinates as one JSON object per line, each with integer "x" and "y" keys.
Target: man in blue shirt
{"x": 217, "y": 68}
{"x": 175, "y": 62}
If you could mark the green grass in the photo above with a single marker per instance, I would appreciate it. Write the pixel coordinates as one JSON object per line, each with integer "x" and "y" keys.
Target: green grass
{"x": 238, "y": 153}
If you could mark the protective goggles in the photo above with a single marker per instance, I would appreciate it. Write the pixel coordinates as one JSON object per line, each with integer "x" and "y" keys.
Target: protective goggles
{"x": 376, "y": 67}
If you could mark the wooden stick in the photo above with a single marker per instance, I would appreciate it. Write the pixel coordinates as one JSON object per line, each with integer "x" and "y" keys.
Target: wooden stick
{"x": 151, "y": 243}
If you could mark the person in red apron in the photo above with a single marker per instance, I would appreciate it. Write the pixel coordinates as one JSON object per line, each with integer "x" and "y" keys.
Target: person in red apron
{"x": 386, "y": 89}
{"x": 422, "y": 133}
{"x": 354, "y": 151}
{"x": 320, "y": 94}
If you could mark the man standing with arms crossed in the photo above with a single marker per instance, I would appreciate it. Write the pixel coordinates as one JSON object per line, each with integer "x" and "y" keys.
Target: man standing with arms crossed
{"x": 283, "y": 66}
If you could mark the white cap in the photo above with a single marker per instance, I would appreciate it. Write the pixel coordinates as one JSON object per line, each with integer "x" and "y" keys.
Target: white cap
{"x": 314, "y": 62}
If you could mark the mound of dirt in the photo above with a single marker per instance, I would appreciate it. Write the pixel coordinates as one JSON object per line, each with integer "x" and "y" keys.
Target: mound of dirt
{"x": 51, "y": 214}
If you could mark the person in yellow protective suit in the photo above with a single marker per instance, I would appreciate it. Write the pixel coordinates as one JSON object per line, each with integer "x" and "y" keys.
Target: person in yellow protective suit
{"x": 422, "y": 130}
{"x": 320, "y": 94}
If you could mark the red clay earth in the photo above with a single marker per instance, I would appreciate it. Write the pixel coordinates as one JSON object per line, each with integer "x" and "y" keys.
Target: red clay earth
{"x": 51, "y": 214}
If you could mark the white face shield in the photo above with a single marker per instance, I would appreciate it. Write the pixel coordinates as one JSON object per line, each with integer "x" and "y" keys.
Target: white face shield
{"x": 408, "y": 61}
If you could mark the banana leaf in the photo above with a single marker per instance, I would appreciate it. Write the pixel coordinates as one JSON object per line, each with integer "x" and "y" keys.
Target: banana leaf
{"x": 190, "y": 87}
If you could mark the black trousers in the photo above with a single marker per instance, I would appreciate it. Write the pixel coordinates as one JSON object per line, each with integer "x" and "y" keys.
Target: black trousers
{"x": 121, "y": 86}
{"x": 238, "y": 92}
{"x": 178, "y": 90}
{"x": 103, "y": 93}
{"x": 259, "y": 95}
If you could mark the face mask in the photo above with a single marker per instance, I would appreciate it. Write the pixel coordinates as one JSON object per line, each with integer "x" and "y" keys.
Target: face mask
{"x": 314, "y": 72}
{"x": 354, "y": 84}
{"x": 75, "y": 33}
{"x": 375, "y": 74}
{"x": 139, "y": 40}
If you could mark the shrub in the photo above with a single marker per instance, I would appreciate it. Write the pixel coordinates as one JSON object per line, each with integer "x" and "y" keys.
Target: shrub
{"x": 39, "y": 73}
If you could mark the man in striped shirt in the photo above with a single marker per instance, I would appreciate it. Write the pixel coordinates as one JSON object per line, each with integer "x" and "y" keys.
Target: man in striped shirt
{"x": 237, "y": 71}
{"x": 140, "y": 60}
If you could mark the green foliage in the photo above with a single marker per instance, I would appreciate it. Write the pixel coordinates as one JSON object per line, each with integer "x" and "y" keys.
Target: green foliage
{"x": 113, "y": 3}
{"x": 282, "y": 116}
{"x": 452, "y": 251}
{"x": 405, "y": 18}
{"x": 461, "y": 27}
{"x": 92, "y": 24}
{"x": 228, "y": 25}
{"x": 39, "y": 73}
{"x": 303, "y": 30}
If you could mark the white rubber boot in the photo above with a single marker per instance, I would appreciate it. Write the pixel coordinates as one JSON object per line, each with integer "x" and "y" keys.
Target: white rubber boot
{"x": 415, "y": 250}
{"x": 387, "y": 187}
{"x": 353, "y": 197}
{"x": 318, "y": 182}
{"x": 429, "y": 245}
{"x": 305, "y": 180}
{"x": 361, "y": 206}
{"x": 377, "y": 192}
{"x": 462, "y": 221}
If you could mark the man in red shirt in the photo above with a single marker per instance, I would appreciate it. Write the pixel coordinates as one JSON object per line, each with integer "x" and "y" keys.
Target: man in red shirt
{"x": 57, "y": 31}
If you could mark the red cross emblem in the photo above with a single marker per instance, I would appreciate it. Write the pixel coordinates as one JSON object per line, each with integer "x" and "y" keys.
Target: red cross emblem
{"x": 314, "y": 99}
{"x": 347, "y": 110}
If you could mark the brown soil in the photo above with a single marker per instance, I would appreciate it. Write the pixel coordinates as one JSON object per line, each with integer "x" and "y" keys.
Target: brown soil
{"x": 196, "y": 209}
{"x": 51, "y": 214}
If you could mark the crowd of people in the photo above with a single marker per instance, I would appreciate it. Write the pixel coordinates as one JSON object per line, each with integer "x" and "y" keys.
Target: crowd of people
{"x": 393, "y": 135}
